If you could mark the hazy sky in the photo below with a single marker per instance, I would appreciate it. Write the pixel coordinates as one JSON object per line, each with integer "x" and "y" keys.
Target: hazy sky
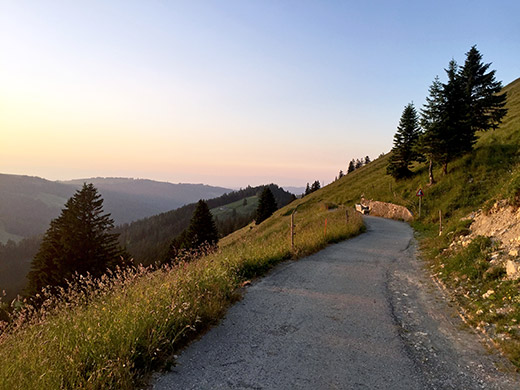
{"x": 226, "y": 93}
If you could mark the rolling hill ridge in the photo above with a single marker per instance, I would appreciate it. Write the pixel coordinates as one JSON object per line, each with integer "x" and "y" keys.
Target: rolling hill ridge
{"x": 27, "y": 204}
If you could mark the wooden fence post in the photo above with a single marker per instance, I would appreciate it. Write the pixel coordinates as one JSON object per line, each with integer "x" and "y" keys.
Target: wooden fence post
{"x": 292, "y": 231}
{"x": 325, "y": 230}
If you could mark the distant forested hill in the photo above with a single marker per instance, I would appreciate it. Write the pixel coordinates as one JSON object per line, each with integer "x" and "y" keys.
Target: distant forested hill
{"x": 28, "y": 204}
{"x": 148, "y": 240}
{"x": 15, "y": 262}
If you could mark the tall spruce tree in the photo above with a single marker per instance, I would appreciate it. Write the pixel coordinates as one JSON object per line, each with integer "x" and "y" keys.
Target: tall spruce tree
{"x": 404, "y": 151}
{"x": 482, "y": 93}
{"x": 456, "y": 122}
{"x": 455, "y": 111}
{"x": 266, "y": 205}
{"x": 78, "y": 241}
{"x": 431, "y": 141}
{"x": 202, "y": 229}
{"x": 445, "y": 118}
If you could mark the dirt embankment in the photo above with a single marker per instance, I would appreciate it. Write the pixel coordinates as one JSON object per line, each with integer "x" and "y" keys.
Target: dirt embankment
{"x": 387, "y": 210}
{"x": 502, "y": 224}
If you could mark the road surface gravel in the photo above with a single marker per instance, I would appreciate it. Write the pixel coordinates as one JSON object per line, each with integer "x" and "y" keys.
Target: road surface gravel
{"x": 361, "y": 314}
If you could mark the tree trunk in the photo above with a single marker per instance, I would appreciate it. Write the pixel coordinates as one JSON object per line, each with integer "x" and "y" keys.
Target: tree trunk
{"x": 430, "y": 173}
{"x": 445, "y": 168}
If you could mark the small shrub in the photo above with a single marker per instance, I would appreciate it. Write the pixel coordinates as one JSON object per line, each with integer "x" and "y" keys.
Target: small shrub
{"x": 460, "y": 228}
{"x": 471, "y": 261}
{"x": 329, "y": 205}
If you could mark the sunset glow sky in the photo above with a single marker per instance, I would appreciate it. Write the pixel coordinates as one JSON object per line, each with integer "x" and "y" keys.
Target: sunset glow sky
{"x": 227, "y": 93}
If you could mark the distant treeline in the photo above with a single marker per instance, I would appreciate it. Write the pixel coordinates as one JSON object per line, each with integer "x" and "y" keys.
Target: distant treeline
{"x": 15, "y": 262}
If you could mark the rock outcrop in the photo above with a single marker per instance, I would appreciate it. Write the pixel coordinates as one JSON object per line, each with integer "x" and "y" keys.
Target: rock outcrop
{"x": 388, "y": 210}
{"x": 502, "y": 224}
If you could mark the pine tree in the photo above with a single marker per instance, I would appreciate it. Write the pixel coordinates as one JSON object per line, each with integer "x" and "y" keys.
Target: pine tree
{"x": 485, "y": 104}
{"x": 455, "y": 111}
{"x": 266, "y": 206}
{"x": 367, "y": 160}
{"x": 404, "y": 151}
{"x": 445, "y": 118}
{"x": 202, "y": 228}
{"x": 78, "y": 241}
{"x": 359, "y": 163}
{"x": 315, "y": 186}
{"x": 341, "y": 174}
{"x": 307, "y": 189}
{"x": 351, "y": 166}
{"x": 431, "y": 142}
{"x": 456, "y": 134}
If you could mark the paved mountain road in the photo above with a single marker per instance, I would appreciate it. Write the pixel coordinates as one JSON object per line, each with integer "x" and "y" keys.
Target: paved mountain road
{"x": 361, "y": 314}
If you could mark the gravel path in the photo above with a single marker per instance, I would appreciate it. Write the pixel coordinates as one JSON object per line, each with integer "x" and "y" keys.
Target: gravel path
{"x": 361, "y": 314}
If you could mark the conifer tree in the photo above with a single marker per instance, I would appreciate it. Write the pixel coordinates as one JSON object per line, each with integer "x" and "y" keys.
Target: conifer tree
{"x": 431, "y": 141}
{"x": 202, "y": 228}
{"x": 455, "y": 111}
{"x": 481, "y": 89}
{"x": 78, "y": 241}
{"x": 266, "y": 205}
{"x": 404, "y": 151}
{"x": 445, "y": 118}
{"x": 351, "y": 166}
{"x": 367, "y": 160}
{"x": 456, "y": 122}
{"x": 315, "y": 186}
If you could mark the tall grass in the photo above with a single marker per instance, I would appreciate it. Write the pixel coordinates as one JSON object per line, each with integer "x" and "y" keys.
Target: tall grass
{"x": 112, "y": 332}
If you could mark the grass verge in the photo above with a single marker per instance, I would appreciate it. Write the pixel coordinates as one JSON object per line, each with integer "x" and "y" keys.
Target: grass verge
{"x": 491, "y": 302}
{"x": 111, "y": 333}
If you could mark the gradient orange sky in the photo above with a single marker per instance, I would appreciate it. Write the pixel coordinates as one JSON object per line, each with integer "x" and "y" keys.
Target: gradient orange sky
{"x": 225, "y": 93}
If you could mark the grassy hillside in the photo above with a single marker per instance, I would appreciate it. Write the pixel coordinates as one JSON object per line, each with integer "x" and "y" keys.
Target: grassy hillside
{"x": 485, "y": 174}
{"x": 27, "y": 205}
{"x": 109, "y": 334}
{"x": 237, "y": 208}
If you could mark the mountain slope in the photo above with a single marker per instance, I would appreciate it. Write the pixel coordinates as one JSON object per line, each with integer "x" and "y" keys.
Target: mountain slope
{"x": 27, "y": 204}
{"x": 485, "y": 173}
{"x": 132, "y": 327}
